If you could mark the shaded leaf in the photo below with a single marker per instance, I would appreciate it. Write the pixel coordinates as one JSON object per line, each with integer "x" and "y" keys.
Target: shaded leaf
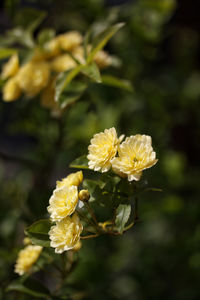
{"x": 92, "y": 71}
{"x": 80, "y": 163}
{"x": 101, "y": 40}
{"x": 31, "y": 287}
{"x": 64, "y": 79}
{"x": 117, "y": 82}
{"x": 72, "y": 93}
{"x": 38, "y": 232}
{"x": 122, "y": 215}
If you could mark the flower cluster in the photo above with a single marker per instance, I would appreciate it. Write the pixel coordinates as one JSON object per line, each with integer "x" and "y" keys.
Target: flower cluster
{"x": 65, "y": 234}
{"x": 128, "y": 159}
{"x": 39, "y": 73}
{"x": 26, "y": 258}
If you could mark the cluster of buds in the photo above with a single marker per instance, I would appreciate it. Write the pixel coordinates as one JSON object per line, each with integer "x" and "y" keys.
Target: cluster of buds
{"x": 38, "y": 75}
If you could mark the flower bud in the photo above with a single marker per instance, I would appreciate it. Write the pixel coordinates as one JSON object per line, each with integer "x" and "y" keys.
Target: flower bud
{"x": 84, "y": 195}
{"x": 11, "y": 90}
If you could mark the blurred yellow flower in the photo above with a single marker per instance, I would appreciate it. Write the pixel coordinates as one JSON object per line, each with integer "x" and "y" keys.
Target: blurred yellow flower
{"x": 70, "y": 40}
{"x": 135, "y": 155}
{"x": 26, "y": 258}
{"x": 102, "y": 150}
{"x": 11, "y": 67}
{"x": 63, "y": 202}
{"x": 11, "y": 90}
{"x": 33, "y": 77}
{"x": 62, "y": 63}
{"x": 65, "y": 234}
{"x": 48, "y": 96}
{"x": 72, "y": 179}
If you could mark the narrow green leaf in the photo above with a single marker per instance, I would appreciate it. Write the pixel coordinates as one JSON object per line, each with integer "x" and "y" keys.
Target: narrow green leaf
{"x": 117, "y": 82}
{"x": 92, "y": 71}
{"x": 38, "y": 232}
{"x": 72, "y": 93}
{"x": 80, "y": 163}
{"x": 101, "y": 40}
{"x": 31, "y": 287}
{"x": 122, "y": 215}
{"x": 64, "y": 79}
{"x": 6, "y": 52}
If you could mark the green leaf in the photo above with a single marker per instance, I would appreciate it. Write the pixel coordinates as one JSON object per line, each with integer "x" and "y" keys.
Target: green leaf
{"x": 31, "y": 287}
{"x": 101, "y": 40}
{"x": 17, "y": 35}
{"x": 72, "y": 93}
{"x": 6, "y": 52}
{"x": 122, "y": 215}
{"x": 38, "y": 232}
{"x": 117, "y": 82}
{"x": 80, "y": 163}
{"x": 64, "y": 79}
{"x": 45, "y": 35}
{"x": 92, "y": 71}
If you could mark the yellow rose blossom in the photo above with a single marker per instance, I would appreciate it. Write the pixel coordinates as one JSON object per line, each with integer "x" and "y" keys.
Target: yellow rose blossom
{"x": 70, "y": 40}
{"x": 63, "y": 202}
{"x": 65, "y": 234}
{"x": 33, "y": 77}
{"x": 26, "y": 258}
{"x": 103, "y": 149}
{"x": 11, "y": 90}
{"x": 135, "y": 155}
{"x": 11, "y": 67}
{"x": 72, "y": 179}
{"x": 62, "y": 63}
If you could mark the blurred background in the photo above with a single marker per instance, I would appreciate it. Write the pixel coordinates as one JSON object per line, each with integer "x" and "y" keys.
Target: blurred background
{"x": 159, "y": 48}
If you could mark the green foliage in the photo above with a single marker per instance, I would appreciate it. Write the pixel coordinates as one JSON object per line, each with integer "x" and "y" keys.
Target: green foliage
{"x": 38, "y": 232}
{"x": 122, "y": 215}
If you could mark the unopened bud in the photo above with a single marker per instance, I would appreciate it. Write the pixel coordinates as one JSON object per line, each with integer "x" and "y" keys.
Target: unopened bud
{"x": 78, "y": 246}
{"x": 84, "y": 195}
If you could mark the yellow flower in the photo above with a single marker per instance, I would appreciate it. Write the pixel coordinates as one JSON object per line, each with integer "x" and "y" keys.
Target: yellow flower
{"x": 26, "y": 258}
{"x": 62, "y": 63}
{"x": 65, "y": 234}
{"x": 70, "y": 40}
{"x": 135, "y": 155}
{"x": 71, "y": 179}
{"x": 33, "y": 77}
{"x": 102, "y": 59}
{"x": 48, "y": 96}
{"x": 11, "y": 67}
{"x": 103, "y": 148}
{"x": 63, "y": 202}
{"x": 11, "y": 90}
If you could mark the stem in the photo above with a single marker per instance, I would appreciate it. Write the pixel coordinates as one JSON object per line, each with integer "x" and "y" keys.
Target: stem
{"x": 89, "y": 236}
{"x": 136, "y": 217}
{"x": 90, "y": 210}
